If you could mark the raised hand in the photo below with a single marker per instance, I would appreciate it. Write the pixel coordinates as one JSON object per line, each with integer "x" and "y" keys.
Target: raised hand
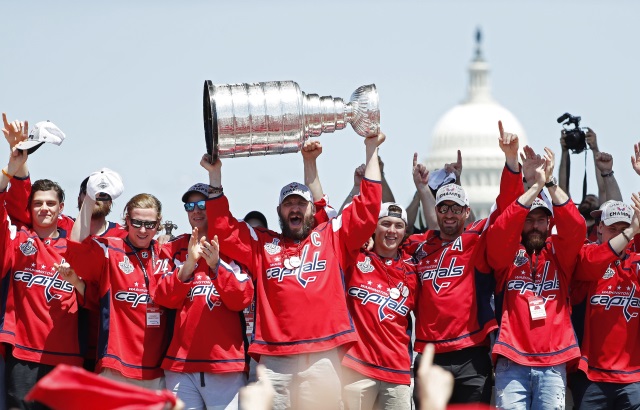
{"x": 15, "y": 131}
{"x": 635, "y": 222}
{"x": 550, "y": 162}
{"x": 358, "y": 174}
{"x": 420, "y": 174}
{"x": 603, "y": 162}
{"x": 563, "y": 141}
{"x": 311, "y": 149}
{"x": 635, "y": 159}
{"x": 210, "y": 251}
{"x": 375, "y": 140}
{"x": 592, "y": 139}
{"x": 194, "y": 249}
{"x": 205, "y": 162}
{"x": 530, "y": 163}
{"x": 509, "y": 143}
{"x": 455, "y": 167}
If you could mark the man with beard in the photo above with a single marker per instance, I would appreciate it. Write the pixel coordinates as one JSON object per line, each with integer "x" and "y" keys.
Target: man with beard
{"x": 453, "y": 310}
{"x": 533, "y": 270}
{"x": 301, "y": 310}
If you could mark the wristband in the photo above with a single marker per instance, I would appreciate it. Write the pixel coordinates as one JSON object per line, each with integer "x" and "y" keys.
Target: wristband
{"x": 6, "y": 174}
{"x": 626, "y": 237}
{"x": 215, "y": 189}
{"x": 608, "y": 174}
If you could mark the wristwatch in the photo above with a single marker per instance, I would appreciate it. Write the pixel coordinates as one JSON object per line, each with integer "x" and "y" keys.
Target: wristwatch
{"x": 551, "y": 182}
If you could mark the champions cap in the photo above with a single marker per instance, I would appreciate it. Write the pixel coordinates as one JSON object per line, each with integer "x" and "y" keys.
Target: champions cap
{"x": 200, "y": 188}
{"x": 539, "y": 203}
{"x": 44, "y": 131}
{"x": 106, "y": 181}
{"x": 616, "y": 211}
{"x": 295, "y": 188}
{"x": 384, "y": 211}
{"x": 452, "y": 192}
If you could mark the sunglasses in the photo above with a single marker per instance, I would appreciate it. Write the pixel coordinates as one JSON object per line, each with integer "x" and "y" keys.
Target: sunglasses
{"x": 456, "y": 209}
{"x": 137, "y": 223}
{"x": 190, "y": 206}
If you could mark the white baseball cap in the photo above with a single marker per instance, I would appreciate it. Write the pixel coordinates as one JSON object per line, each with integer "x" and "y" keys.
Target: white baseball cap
{"x": 616, "y": 211}
{"x": 44, "y": 131}
{"x": 452, "y": 192}
{"x": 384, "y": 211}
{"x": 295, "y": 188}
{"x": 106, "y": 181}
{"x": 539, "y": 203}
{"x": 598, "y": 212}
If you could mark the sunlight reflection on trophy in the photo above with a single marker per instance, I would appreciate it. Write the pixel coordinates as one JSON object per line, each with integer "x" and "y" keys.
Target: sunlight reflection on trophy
{"x": 276, "y": 117}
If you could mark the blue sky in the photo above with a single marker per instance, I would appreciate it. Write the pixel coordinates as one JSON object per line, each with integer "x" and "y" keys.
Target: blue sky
{"x": 124, "y": 81}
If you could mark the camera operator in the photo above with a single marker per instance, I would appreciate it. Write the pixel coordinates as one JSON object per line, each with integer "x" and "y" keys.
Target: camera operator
{"x": 607, "y": 185}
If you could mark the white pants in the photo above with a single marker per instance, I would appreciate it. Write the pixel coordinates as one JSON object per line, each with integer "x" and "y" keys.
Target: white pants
{"x": 305, "y": 381}
{"x": 153, "y": 384}
{"x": 211, "y": 391}
{"x": 364, "y": 393}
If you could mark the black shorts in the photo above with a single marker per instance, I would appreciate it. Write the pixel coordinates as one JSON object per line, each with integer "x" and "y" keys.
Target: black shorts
{"x": 21, "y": 376}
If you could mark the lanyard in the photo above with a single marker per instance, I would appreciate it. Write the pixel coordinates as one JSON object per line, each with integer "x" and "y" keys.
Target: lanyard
{"x": 144, "y": 270}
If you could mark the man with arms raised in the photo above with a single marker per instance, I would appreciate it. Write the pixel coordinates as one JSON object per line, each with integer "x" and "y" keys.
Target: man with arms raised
{"x": 301, "y": 315}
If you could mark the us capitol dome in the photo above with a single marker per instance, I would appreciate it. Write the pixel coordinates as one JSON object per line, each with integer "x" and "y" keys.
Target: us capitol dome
{"x": 472, "y": 127}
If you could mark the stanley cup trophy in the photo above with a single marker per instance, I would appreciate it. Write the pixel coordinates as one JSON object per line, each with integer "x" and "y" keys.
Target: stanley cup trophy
{"x": 275, "y": 117}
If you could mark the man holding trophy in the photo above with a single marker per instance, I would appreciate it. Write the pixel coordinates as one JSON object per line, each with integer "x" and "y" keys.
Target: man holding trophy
{"x": 301, "y": 311}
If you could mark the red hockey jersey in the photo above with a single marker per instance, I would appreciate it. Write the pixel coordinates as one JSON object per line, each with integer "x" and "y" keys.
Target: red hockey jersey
{"x": 610, "y": 349}
{"x": 453, "y": 310}
{"x": 383, "y": 323}
{"x": 209, "y": 300}
{"x": 304, "y": 309}
{"x": 132, "y": 337}
{"x": 523, "y": 281}
{"x": 39, "y": 309}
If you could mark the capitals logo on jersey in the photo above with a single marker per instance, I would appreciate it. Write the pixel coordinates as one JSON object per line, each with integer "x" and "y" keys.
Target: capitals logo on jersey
{"x": 618, "y": 297}
{"x": 523, "y": 286}
{"x": 125, "y": 266}
{"x": 387, "y": 306}
{"x": 206, "y": 290}
{"x": 27, "y": 248}
{"x": 301, "y": 272}
{"x": 365, "y": 266}
{"x": 521, "y": 258}
{"x": 273, "y": 247}
{"x": 46, "y": 280}
{"x": 440, "y": 273}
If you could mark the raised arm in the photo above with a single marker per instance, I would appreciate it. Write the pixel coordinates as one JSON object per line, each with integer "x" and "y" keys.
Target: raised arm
{"x": 592, "y": 143}
{"x": 311, "y": 150}
{"x": 604, "y": 168}
{"x": 16, "y": 132}
{"x": 387, "y": 195}
{"x": 565, "y": 164}
{"x": 421, "y": 181}
{"x": 358, "y": 174}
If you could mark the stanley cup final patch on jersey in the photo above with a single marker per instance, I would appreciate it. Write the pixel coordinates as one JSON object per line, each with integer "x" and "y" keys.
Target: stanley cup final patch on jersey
{"x": 125, "y": 266}
{"x": 273, "y": 247}
{"x": 27, "y": 248}
{"x": 365, "y": 266}
{"x": 521, "y": 258}
{"x": 608, "y": 274}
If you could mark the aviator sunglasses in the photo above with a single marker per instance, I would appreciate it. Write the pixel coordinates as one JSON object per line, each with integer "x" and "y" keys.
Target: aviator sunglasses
{"x": 137, "y": 223}
{"x": 456, "y": 209}
{"x": 190, "y": 206}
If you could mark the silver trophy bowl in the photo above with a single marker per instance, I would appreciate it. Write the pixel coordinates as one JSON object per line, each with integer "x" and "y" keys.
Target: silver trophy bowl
{"x": 275, "y": 117}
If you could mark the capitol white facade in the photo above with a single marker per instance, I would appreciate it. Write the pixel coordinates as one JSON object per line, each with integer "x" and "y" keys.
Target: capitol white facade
{"x": 472, "y": 127}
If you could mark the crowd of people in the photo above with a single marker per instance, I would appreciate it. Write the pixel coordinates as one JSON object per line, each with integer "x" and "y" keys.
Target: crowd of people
{"x": 513, "y": 309}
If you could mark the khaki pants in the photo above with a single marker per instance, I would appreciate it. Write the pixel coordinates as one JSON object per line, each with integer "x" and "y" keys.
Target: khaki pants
{"x": 363, "y": 393}
{"x": 305, "y": 381}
